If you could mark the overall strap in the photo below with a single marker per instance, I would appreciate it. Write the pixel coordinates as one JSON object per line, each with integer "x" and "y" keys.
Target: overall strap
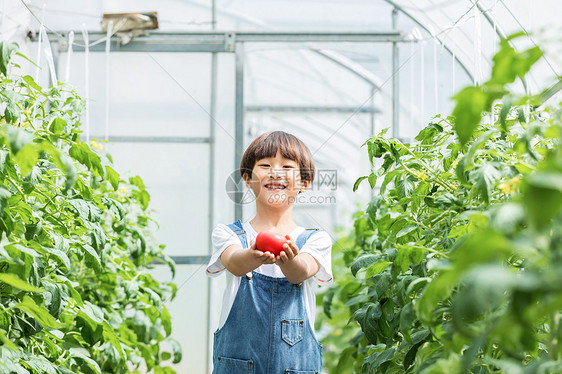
{"x": 239, "y": 230}
{"x": 303, "y": 237}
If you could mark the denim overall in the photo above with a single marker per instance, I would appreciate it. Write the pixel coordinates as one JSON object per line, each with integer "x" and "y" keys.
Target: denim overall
{"x": 267, "y": 330}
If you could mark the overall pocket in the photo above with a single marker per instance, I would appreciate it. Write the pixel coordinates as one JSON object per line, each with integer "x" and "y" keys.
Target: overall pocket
{"x": 292, "y": 330}
{"x": 227, "y": 365}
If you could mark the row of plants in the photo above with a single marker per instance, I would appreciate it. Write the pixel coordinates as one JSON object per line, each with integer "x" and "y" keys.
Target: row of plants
{"x": 455, "y": 265}
{"x": 75, "y": 244}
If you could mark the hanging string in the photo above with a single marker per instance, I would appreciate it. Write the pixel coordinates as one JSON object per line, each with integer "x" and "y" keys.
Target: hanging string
{"x": 477, "y": 47}
{"x": 436, "y": 76}
{"x": 49, "y": 55}
{"x": 495, "y": 40}
{"x": 68, "y": 55}
{"x": 39, "y": 41}
{"x": 412, "y": 86}
{"x": 422, "y": 84}
{"x": 87, "y": 76}
{"x": 454, "y": 75}
{"x": 3, "y": 15}
{"x": 107, "y": 80}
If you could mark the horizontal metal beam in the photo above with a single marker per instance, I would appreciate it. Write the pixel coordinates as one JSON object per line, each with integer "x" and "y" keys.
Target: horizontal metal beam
{"x": 185, "y": 260}
{"x": 150, "y": 139}
{"x": 308, "y": 109}
{"x": 220, "y": 41}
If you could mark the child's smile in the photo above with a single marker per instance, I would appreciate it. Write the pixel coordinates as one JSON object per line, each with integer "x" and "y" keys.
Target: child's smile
{"x": 278, "y": 176}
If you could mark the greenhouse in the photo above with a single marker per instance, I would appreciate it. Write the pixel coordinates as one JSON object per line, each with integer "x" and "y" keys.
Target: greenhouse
{"x": 281, "y": 187}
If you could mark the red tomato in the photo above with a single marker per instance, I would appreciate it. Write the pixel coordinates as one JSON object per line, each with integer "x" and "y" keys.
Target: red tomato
{"x": 267, "y": 241}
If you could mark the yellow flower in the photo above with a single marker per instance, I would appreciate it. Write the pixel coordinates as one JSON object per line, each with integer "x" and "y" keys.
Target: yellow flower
{"x": 122, "y": 191}
{"x": 420, "y": 175}
{"x": 3, "y": 120}
{"x": 96, "y": 145}
{"x": 510, "y": 187}
{"x": 515, "y": 181}
{"x": 506, "y": 188}
{"x": 453, "y": 186}
{"x": 455, "y": 163}
{"x": 25, "y": 124}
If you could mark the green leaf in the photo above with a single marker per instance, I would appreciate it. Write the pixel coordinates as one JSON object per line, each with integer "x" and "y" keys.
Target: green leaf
{"x": 166, "y": 320}
{"x": 405, "y": 185}
{"x": 31, "y": 83}
{"x": 112, "y": 338}
{"x": 363, "y": 261}
{"x": 176, "y": 349}
{"x": 26, "y": 158}
{"x": 471, "y": 102}
{"x": 18, "y": 138}
{"x": 368, "y": 317}
{"x": 137, "y": 181}
{"x": 113, "y": 177}
{"x": 327, "y": 301}
{"x": 377, "y": 268}
{"x": 92, "y": 257}
{"x": 31, "y": 180}
{"x": 15, "y": 281}
{"x": 372, "y": 180}
{"x": 483, "y": 178}
{"x": 6, "y": 52}
{"x": 508, "y": 64}
{"x": 40, "y": 364}
{"x": 57, "y": 126}
{"x": 379, "y": 358}
{"x": 543, "y": 197}
{"x": 358, "y": 182}
{"x": 39, "y": 312}
{"x": 82, "y": 153}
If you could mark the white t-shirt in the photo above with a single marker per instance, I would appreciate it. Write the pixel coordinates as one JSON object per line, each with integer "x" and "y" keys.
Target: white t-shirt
{"x": 319, "y": 245}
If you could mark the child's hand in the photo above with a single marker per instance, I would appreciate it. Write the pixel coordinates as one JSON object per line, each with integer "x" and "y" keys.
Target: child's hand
{"x": 290, "y": 250}
{"x": 261, "y": 257}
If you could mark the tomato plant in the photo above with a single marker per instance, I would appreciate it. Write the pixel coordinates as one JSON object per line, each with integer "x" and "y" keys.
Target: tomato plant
{"x": 455, "y": 264}
{"x": 75, "y": 244}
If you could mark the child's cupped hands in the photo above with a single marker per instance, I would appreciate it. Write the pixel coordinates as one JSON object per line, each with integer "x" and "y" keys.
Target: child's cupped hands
{"x": 262, "y": 257}
{"x": 290, "y": 251}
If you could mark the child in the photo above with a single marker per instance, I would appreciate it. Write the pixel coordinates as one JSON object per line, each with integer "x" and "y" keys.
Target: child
{"x": 267, "y": 318}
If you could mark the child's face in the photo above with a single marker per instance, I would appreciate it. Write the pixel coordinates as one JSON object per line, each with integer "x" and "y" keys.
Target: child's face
{"x": 276, "y": 180}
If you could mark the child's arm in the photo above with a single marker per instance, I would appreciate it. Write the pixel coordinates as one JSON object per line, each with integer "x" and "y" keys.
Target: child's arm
{"x": 240, "y": 261}
{"x": 297, "y": 267}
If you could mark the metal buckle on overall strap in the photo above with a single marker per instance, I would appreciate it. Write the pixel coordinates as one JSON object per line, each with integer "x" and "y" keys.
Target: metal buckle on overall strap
{"x": 249, "y": 275}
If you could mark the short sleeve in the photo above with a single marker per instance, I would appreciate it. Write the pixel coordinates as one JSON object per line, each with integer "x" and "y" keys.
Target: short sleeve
{"x": 319, "y": 245}
{"x": 222, "y": 237}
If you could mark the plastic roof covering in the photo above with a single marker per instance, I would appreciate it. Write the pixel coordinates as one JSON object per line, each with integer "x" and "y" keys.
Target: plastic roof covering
{"x": 453, "y": 22}
{"x": 320, "y": 74}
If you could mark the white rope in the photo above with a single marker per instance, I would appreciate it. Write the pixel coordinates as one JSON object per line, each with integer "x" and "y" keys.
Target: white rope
{"x": 107, "y": 80}
{"x": 68, "y": 55}
{"x": 454, "y": 75}
{"x": 49, "y": 55}
{"x": 3, "y": 15}
{"x": 87, "y": 76}
{"x": 39, "y": 41}
{"x": 477, "y": 48}
{"x": 412, "y": 61}
{"x": 422, "y": 85}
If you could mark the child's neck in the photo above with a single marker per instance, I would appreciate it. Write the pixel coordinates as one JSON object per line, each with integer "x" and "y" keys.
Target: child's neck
{"x": 277, "y": 222}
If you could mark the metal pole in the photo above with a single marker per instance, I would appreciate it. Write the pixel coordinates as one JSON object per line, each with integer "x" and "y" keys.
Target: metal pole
{"x": 372, "y": 120}
{"x": 212, "y": 127}
{"x": 395, "y": 75}
{"x": 239, "y": 123}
